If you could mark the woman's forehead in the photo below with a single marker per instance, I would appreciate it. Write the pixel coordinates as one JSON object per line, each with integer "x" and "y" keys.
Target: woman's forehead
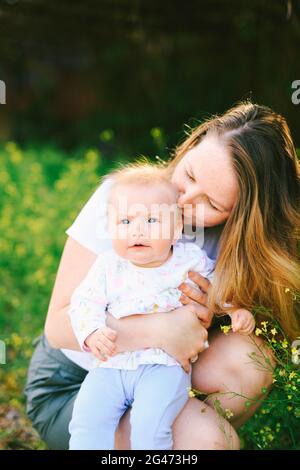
{"x": 211, "y": 151}
{"x": 212, "y": 168}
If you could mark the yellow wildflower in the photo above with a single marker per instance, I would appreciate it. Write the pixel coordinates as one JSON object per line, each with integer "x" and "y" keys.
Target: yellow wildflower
{"x": 274, "y": 331}
{"x": 292, "y": 375}
{"x": 286, "y": 290}
{"x": 16, "y": 340}
{"x": 258, "y": 331}
{"x": 284, "y": 343}
{"x": 264, "y": 325}
{"x": 228, "y": 413}
{"x": 225, "y": 329}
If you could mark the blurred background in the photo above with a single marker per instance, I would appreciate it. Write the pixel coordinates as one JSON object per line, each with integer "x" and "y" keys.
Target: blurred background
{"x": 74, "y": 69}
{"x": 95, "y": 82}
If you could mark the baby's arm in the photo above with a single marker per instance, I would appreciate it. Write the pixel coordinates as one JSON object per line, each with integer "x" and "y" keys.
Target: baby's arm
{"x": 88, "y": 315}
{"x": 242, "y": 321}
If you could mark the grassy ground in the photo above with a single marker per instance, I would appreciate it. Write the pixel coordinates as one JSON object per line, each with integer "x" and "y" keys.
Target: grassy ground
{"x": 41, "y": 192}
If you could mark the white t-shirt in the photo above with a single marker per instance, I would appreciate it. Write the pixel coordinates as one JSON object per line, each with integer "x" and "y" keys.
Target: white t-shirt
{"x": 117, "y": 286}
{"x": 90, "y": 230}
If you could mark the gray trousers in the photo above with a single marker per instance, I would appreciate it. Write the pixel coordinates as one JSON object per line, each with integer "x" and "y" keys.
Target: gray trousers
{"x": 53, "y": 382}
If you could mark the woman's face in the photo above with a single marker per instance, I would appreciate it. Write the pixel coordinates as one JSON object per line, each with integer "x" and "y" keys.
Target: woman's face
{"x": 207, "y": 183}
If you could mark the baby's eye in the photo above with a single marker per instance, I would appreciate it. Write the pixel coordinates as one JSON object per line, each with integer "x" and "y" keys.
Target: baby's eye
{"x": 152, "y": 220}
{"x": 124, "y": 221}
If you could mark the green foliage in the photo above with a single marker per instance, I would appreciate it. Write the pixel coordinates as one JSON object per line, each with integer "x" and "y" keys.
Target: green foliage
{"x": 41, "y": 192}
{"x": 275, "y": 425}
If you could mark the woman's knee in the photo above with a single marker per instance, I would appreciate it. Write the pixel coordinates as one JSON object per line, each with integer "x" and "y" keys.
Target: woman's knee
{"x": 218, "y": 435}
{"x": 199, "y": 427}
{"x": 252, "y": 365}
{"x": 221, "y": 437}
{"x": 233, "y": 361}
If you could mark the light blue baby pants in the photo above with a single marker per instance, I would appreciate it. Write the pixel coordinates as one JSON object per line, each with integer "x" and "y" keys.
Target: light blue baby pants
{"x": 156, "y": 394}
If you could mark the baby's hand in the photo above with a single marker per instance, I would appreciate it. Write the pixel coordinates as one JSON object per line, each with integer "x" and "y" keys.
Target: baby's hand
{"x": 242, "y": 321}
{"x": 102, "y": 343}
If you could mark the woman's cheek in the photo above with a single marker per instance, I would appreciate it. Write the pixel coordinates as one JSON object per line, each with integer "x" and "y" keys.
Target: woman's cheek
{"x": 212, "y": 219}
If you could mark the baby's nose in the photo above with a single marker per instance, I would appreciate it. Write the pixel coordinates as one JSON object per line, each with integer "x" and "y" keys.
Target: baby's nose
{"x": 138, "y": 229}
{"x": 138, "y": 234}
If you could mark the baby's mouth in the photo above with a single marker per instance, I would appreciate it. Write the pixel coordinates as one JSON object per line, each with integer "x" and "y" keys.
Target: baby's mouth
{"x": 139, "y": 245}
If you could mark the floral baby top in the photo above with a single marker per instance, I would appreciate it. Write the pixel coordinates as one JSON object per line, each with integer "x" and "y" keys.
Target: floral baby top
{"x": 115, "y": 285}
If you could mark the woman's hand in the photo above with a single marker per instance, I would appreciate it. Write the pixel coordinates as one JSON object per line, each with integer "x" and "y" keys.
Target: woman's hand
{"x": 197, "y": 297}
{"x": 185, "y": 337}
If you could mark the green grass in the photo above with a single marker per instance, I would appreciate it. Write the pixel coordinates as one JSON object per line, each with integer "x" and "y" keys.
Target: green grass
{"x": 41, "y": 192}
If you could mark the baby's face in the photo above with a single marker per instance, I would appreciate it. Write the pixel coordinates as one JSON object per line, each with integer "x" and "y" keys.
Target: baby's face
{"x": 143, "y": 223}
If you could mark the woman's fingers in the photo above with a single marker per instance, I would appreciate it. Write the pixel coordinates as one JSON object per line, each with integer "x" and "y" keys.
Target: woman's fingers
{"x": 202, "y": 312}
{"x": 201, "y": 281}
{"x": 184, "y": 299}
{"x": 186, "y": 366}
{"x": 193, "y": 293}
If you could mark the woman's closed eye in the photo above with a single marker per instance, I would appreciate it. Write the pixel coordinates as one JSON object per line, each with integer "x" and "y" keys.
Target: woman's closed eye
{"x": 190, "y": 177}
{"x": 214, "y": 207}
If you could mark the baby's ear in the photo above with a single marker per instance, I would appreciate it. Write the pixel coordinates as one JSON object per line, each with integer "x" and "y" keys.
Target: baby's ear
{"x": 177, "y": 232}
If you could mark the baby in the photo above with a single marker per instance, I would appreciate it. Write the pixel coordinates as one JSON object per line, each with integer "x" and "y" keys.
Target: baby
{"x": 140, "y": 274}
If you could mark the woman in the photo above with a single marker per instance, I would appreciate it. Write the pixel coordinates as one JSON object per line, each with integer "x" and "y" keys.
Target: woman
{"x": 242, "y": 168}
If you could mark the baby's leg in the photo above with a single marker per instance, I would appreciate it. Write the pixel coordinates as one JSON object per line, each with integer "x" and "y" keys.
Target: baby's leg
{"x": 98, "y": 407}
{"x": 160, "y": 394}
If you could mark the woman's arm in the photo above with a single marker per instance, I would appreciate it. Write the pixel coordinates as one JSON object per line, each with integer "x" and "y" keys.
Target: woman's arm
{"x": 179, "y": 333}
{"x": 74, "y": 265}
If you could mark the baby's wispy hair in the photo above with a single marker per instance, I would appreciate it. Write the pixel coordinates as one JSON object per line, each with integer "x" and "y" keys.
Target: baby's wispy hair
{"x": 139, "y": 172}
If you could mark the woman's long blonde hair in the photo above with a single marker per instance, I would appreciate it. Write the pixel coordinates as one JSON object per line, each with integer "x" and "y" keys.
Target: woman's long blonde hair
{"x": 257, "y": 261}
